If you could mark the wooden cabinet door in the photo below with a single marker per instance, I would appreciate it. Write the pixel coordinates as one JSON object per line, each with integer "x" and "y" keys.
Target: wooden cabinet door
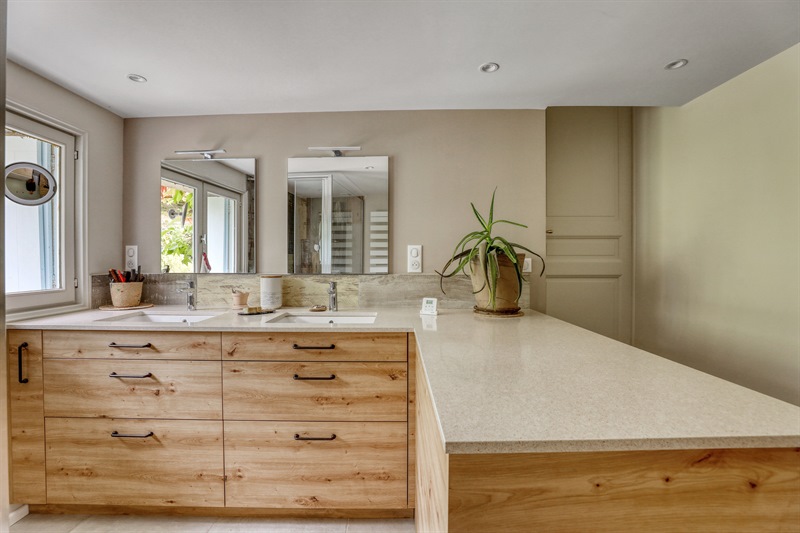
{"x": 132, "y": 389}
{"x": 314, "y": 346}
{"x": 148, "y": 462}
{"x": 196, "y": 345}
{"x": 315, "y": 391}
{"x": 353, "y": 465}
{"x": 26, "y": 417}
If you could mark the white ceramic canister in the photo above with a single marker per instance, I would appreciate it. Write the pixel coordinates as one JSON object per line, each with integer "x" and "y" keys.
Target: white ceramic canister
{"x": 271, "y": 292}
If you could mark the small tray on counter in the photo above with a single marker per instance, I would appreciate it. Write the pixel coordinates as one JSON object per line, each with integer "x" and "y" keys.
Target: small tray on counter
{"x": 265, "y": 312}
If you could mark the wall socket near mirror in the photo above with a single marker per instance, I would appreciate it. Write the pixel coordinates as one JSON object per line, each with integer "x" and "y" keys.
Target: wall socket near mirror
{"x": 414, "y": 258}
{"x": 131, "y": 256}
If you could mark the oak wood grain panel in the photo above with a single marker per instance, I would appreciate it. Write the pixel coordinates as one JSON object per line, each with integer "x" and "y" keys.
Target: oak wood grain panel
{"x": 358, "y": 392}
{"x": 26, "y": 418}
{"x": 668, "y": 490}
{"x": 164, "y": 345}
{"x": 180, "y": 465}
{"x": 278, "y": 346}
{"x": 363, "y": 467}
{"x": 175, "y": 389}
{"x": 431, "y": 513}
{"x": 412, "y": 419}
{"x": 220, "y": 511}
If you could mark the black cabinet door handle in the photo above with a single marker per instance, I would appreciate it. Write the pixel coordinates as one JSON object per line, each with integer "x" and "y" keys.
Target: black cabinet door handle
{"x": 298, "y": 347}
{"x": 302, "y": 378}
{"x": 298, "y": 437}
{"x": 131, "y": 376}
{"x": 19, "y": 362}
{"x": 115, "y": 345}
{"x": 118, "y": 435}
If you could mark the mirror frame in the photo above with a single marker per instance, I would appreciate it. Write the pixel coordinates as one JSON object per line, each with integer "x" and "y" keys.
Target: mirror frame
{"x": 37, "y": 168}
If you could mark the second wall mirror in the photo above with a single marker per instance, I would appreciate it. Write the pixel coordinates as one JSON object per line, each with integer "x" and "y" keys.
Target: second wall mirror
{"x": 338, "y": 215}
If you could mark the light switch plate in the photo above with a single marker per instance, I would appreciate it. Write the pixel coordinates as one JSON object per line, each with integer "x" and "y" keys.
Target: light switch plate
{"x": 414, "y": 258}
{"x": 131, "y": 256}
{"x": 527, "y": 265}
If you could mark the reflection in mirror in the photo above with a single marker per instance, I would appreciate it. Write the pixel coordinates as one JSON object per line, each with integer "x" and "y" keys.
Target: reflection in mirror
{"x": 338, "y": 215}
{"x": 29, "y": 184}
{"x": 208, "y": 215}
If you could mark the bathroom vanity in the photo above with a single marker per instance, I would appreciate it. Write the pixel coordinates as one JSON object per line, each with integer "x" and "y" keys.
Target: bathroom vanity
{"x": 521, "y": 424}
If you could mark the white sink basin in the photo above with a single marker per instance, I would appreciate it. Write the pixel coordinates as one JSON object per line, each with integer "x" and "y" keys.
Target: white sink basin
{"x": 144, "y": 318}
{"x": 324, "y": 318}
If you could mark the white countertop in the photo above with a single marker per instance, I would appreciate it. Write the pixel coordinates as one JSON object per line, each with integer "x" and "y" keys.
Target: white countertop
{"x": 537, "y": 384}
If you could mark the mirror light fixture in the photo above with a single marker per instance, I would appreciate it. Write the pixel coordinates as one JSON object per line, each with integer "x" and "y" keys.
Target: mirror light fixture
{"x": 337, "y": 150}
{"x": 207, "y": 154}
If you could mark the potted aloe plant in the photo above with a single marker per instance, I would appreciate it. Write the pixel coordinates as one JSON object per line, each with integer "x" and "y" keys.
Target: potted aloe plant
{"x": 493, "y": 264}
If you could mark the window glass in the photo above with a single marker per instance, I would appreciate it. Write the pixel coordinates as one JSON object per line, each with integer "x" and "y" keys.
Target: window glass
{"x": 40, "y": 239}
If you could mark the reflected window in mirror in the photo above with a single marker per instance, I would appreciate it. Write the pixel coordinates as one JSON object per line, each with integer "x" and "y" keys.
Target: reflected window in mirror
{"x": 208, "y": 215}
{"x": 338, "y": 215}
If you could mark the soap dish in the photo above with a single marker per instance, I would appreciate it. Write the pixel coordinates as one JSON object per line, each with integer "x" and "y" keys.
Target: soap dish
{"x": 251, "y": 313}
{"x": 318, "y": 308}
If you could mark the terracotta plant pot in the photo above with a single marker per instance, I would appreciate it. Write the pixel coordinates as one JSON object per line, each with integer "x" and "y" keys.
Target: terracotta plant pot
{"x": 507, "y": 293}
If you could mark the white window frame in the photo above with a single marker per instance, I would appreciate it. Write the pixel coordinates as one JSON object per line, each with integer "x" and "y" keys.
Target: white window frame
{"x": 74, "y": 294}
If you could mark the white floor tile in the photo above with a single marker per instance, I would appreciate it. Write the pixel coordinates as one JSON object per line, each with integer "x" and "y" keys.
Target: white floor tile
{"x": 47, "y": 523}
{"x": 145, "y": 524}
{"x": 276, "y": 525}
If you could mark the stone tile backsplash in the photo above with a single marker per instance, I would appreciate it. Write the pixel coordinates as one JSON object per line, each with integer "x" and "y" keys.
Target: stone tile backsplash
{"x": 213, "y": 291}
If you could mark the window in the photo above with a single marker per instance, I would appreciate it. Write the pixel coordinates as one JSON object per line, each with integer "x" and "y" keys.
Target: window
{"x": 40, "y": 240}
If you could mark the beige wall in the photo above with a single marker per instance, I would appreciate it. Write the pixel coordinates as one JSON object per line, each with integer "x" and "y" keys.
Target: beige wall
{"x": 440, "y": 161}
{"x": 717, "y": 218}
{"x": 102, "y": 161}
{"x": 4, "y": 496}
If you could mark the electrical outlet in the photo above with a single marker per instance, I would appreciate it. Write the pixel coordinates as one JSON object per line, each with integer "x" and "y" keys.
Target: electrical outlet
{"x": 131, "y": 256}
{"x": 527, "y": 265}
{"x": 414, "y": 258}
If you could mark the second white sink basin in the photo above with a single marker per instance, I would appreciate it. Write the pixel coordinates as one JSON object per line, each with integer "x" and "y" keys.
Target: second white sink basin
{"x": 324, "y": 318}
{"x": 144, "y": 318}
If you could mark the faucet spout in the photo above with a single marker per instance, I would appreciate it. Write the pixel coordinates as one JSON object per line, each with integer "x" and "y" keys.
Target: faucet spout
{"x": 189, "y": 291}
{"x": 333, "y": 304}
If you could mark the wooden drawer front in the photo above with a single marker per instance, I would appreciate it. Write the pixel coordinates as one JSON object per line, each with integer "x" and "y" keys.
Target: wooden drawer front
{"x": 363, "y": 467}
{"x": 26, "y": 418}
{"x": 173, "y": 389}
{"x": 300, "y": 346}
{"x": 131, "y": 345}
{"x": 181, "y": 464}
{"x": 357, "y": 392}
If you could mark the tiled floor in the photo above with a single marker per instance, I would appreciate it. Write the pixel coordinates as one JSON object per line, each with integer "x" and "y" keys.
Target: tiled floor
{"x": 38, "y": 523}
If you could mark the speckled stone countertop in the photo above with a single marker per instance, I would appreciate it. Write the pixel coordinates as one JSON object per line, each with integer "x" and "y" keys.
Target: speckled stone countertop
{"x": 537, "y": 384}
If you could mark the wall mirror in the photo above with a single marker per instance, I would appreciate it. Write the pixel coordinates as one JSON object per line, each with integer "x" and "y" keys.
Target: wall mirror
{"x": 29, "y": 184}
{"x": 208, "y": 215}
{"x": 338, "y": 211}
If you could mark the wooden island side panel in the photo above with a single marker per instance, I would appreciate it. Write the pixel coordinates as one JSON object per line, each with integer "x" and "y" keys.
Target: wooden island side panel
{"x": 666, "y": 490}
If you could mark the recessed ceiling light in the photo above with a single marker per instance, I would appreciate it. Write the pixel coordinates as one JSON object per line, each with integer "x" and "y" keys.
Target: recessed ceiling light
{"x": 138, "y": 78}
{"x": 676, "y": 64}
{"x": 490, "y": 67}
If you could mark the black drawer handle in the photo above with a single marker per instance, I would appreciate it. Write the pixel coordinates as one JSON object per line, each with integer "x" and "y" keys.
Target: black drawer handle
{"x": 298, "y": 437}
{"x": 131, "y": 376}
{"x": 298, "y": 347}
{"x": 118, "y": 435}
{"x": 302, "y": 378}
{"x": 19, "y": 362}
{"x": 115, "y": 345}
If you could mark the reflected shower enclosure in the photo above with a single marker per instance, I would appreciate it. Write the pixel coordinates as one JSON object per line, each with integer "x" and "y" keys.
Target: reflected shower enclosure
{"x": 338, "y": 211}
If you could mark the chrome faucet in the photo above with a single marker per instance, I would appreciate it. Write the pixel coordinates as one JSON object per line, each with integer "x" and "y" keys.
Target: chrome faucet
{"x": 333, "y": 304}
{"x": 189, "y": 290}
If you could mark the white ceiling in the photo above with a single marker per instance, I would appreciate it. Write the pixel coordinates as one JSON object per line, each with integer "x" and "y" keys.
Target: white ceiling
{"x": 221, "y": 57}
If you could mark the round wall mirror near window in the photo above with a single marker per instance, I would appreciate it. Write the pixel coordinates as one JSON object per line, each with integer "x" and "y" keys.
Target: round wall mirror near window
{"x": 29, "y": 184}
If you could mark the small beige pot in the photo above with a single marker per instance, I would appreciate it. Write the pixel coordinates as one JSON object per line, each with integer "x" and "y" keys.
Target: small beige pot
{"x": 507, "y": 293}
{"x": 126, "y": 294}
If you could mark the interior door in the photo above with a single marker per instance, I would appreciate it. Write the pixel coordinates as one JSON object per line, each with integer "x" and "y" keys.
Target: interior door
{"x": 589, "y": 259}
